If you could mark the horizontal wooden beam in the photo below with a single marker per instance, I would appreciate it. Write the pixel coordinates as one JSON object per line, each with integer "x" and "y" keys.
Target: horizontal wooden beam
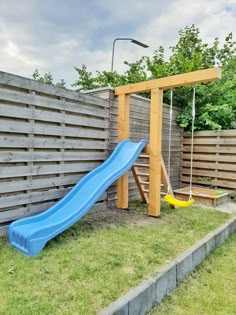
{"x": 200, "y": 76}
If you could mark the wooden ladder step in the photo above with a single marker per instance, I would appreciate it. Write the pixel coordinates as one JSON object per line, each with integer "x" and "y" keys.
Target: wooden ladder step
{"x": 142, "y": 174}
{"x": 143, "y": 182}
{"x": 147, "y": 183}
{"x": 143, "y": 156}
{"x": 142, "y": 178}
{"x": 141, "y": 165}
{"x": 147, "y": 191}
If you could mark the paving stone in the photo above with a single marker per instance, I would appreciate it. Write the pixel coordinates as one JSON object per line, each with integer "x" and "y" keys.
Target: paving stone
{"x": 143, "y": 298}
{"x": 165, "y": 281}
{"x": 210, "y": 245}
{"x": 199, "y": 255}
{"x": 220, "y": 235}
{"x": 184, "y": 265}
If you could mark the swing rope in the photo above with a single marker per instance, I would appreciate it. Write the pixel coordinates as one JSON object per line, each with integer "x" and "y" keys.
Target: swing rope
{"x": 191, "y": 157}
{"x": 169, "y": 140}
{"x": 169, "y": 198}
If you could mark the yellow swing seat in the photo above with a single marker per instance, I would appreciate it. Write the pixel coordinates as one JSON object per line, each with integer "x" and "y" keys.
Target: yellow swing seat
{"x": 178, "y": 203}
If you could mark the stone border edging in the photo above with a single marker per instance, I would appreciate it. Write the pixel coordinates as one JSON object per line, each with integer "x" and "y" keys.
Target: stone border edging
{"x": 152, "y": 291}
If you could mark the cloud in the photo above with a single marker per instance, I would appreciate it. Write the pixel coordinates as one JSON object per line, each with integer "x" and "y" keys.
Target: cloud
{"x": 57, "y": 35}
{"x": 15, "y": 53}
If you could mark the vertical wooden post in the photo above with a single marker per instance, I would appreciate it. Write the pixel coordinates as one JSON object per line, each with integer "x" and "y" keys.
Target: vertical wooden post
{"x": 123, "y": 133}
{"x": 155, "y": 152}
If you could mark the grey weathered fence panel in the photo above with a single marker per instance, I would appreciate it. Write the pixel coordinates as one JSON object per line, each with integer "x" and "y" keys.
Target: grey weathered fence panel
{"x": 49, "y": 138}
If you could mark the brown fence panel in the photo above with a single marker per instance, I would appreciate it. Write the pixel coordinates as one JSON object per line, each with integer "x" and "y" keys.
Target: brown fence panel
{"x": 214, "y": 159}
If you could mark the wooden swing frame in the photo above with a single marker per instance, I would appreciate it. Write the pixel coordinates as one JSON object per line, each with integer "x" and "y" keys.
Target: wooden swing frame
{"x": 156, "y": 88}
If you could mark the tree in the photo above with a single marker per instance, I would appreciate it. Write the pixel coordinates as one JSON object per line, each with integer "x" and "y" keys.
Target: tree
{"x": 215, "y": 102}
{"x": 47, "y": 78}
{"x": 191, "y": 54}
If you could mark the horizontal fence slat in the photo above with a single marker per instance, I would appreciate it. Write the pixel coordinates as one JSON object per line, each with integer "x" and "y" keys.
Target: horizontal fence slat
{"x": 219, "y": 183}
{"x": 208, "y": 173}
{"x": 29, "y": 84}
{"x": 11, "y": 215}
{"x": 11, "y": 141}
{"x": 213, "y": 133}
{"x": 39, "y": 183}
{"x": 210, "y": 141}
{"x": 210, "y": 157}
{"x": 58, "y": 104}
{"x": 210, "y": 165}
{"x": 42, "y": 129}
{"x": 210, "y": 149}
{"x": 21, "y": 199}
{"x": 14, "y": 156}
{"x": 44, "y": 115}
{"x": 38, "y": 196}
{"x": 35, "y": 170}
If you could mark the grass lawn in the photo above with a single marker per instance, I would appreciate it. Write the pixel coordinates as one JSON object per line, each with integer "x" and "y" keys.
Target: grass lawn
{"x": 210, "y": 290}
{"x": 94, "y": 262}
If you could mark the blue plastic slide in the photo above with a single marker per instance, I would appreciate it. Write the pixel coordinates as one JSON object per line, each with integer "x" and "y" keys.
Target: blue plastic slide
{"x": 29, "y": 235}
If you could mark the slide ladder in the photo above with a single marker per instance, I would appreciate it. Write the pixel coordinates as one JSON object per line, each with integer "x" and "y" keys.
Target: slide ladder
{"x": 140, "y": 171}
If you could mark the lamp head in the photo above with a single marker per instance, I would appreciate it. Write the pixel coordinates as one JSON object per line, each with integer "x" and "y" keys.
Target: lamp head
{"x": 139, "y": 43}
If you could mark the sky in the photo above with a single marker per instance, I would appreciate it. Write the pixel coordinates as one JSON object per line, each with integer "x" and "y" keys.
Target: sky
{"x": 55, "y": 35}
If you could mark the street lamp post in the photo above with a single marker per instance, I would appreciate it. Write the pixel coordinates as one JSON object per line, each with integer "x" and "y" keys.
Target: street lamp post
{"x": 134, "y": 41}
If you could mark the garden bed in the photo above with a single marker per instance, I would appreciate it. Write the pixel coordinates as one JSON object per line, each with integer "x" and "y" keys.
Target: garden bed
{"x": 98, "y": 259}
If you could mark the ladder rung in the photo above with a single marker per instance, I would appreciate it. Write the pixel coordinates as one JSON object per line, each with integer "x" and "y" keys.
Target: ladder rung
{"x": 147, "y": 191}
{"x": 143, "y": 156}
{"x": 142, "y": 182}
{"x": 141, "y": 165}
{"x": 142, "y": 174}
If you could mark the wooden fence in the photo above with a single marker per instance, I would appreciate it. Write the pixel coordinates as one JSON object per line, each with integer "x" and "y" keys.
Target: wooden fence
{"x": 214, "y": 159}
{"x": 49, "y": 138}
{"x": 139, "y": 129}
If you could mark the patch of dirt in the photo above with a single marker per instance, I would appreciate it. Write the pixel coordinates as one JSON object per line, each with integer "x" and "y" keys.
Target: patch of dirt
{"x": 115, "y": 217}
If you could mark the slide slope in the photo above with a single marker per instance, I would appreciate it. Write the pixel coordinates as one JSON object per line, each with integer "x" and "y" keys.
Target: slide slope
{"x": 29, "y": 235}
